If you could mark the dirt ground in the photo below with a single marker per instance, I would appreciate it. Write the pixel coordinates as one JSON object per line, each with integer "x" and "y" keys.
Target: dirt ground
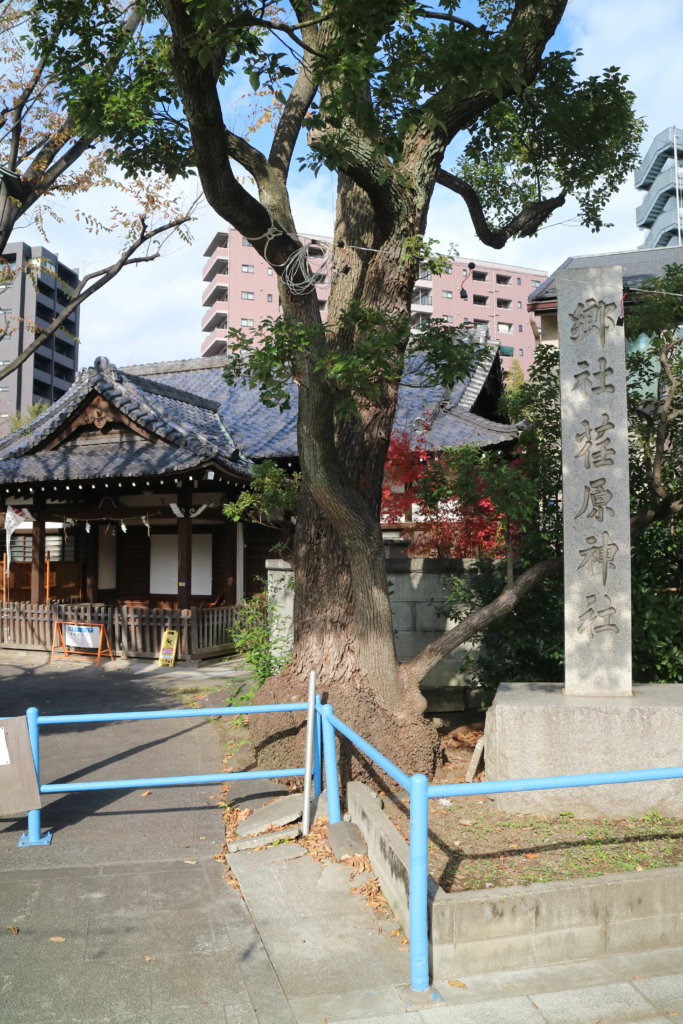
{"x": 474, "y": 846}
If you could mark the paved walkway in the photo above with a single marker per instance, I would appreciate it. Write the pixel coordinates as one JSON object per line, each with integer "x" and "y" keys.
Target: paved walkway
{"x": 127, "y": 917}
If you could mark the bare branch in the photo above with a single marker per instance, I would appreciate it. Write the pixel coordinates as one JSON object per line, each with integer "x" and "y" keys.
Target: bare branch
{"x": 425, "y": 12}
{"x": 92, "y": 283}
{"x": 522, "y": 225}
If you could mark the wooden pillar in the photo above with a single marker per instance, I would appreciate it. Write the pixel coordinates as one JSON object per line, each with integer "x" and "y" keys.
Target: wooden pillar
{"x": 91, "y": 564}
{"x": 185, "y": 549}
{"x": 38, "y": 554}
{"x": 230, "y": 561}
{"x": 239, "y": 565}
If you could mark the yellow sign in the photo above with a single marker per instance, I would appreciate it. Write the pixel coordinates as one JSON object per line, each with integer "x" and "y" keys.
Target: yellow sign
{"x": 169, "y": 646}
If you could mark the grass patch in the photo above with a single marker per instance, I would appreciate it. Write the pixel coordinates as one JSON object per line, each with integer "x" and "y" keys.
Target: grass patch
{"x": 472, "y": 845}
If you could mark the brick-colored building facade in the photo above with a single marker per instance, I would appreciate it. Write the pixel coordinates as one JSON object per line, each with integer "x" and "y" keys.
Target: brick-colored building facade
{"x": 241, "y": 290}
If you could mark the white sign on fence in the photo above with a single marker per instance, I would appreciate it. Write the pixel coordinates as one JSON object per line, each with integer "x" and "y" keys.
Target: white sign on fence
{"x": 81, "y": 636}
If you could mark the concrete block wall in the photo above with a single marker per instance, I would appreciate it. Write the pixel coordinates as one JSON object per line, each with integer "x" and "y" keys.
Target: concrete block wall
{"x": 417, "y": 587}
{"x": 527, "y": 925}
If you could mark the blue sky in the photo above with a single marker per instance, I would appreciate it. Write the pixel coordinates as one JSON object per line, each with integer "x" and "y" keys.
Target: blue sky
{"x": 153, "y": 312}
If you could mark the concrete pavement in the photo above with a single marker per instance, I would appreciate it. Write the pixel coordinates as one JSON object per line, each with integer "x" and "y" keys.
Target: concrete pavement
{"x": 128, "y": 917}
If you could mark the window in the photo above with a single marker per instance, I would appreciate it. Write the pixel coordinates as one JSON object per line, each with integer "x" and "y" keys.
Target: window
{"x": 502, "y": 279}
{"x": 448, "y": 270}
{"x": 480, "y": 300}
{"x": 520, "y": 351}
{"x": 245, "y": 241}
{"x": 269, "y": 271}
{"x": 505, "y": 328}
{"x": 247, "y": 268}
{"x": 248, "y": 295}
{"x": 245, "y": 321}
{"x": 269, "y": 297}
{"x": 424, "y": 274}
{"x": 535, "y": 284}
{"x": 479, "y": 275}
{"x": 519, "y": 280}
{"x": 503, "y": 303}
{"x": 519, "y": 303}
{"x": 448, "y": 319}
{"x": 520, "y": 327}
{"x": 481, "y": 323}
{"x": 446, "y": 293}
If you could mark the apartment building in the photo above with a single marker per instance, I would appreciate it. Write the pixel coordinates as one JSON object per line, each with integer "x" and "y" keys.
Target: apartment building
{"x": 660, "y": 176}
{"x": 241, "y": 290}
{"x": 37, "y": 288}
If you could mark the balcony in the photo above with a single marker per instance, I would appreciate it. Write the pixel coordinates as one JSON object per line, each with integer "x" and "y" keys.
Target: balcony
{"x": 217, "y": 264}
{"x": 663, "y": 230}
{"x": 217, "y": 316}
{"x": 661, "y": 190}
{"x": 216, "y": 290}
{"x": 219, "y": 241}
{"x": 661, "y": 150}
{"x": 215, "y": 344}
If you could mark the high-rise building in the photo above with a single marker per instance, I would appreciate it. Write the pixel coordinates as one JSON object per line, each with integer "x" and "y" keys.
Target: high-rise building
{"x": 660, "y": 176}
{"x": 241, "y": 291}
{"x": 36, "y": 290}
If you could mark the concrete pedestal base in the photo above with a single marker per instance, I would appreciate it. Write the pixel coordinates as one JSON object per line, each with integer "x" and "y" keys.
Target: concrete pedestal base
{"x": 534, "y": 729}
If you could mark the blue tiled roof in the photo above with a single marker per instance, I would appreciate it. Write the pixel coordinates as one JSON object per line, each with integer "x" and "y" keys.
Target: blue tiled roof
{"x": 198, "y": 419}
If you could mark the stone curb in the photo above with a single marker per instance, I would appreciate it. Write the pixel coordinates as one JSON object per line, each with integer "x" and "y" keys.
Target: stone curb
{"x": 525, "y": 926}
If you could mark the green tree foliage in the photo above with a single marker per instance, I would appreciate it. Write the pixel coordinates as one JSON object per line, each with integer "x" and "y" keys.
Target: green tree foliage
{"x": 23, "y": 420}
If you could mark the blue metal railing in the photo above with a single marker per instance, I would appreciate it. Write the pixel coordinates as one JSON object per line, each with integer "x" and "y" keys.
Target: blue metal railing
{"x": 325, "y": 726}
{"x": 420, "y": 792}
{"x": 34, "y": 837}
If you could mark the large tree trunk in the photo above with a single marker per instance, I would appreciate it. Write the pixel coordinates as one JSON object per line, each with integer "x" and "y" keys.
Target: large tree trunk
{"x": 342, "y": 615}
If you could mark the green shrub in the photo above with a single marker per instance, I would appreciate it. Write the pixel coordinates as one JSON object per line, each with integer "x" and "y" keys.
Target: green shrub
{"x": 260, "y": 637}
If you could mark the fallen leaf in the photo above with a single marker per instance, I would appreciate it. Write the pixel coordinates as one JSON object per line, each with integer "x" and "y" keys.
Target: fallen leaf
{"x": 396, "y": 931}
{"x": 464, "y": 821}
{"x": 57, "y": 938}
{"x": 147, "y": 792}
{"x": 202, "y": 837}
{"x": 12, "y": 929}
{"x": 454, "y": 983}
{"x": 148, "y": 958}
{"x": 639, "y": 867}
{"x": 531, "y": 856}
{"x": 190, "y": 862}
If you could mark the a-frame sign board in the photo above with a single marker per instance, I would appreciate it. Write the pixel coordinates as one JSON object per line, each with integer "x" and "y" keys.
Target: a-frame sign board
{"x": 80, "y": 640}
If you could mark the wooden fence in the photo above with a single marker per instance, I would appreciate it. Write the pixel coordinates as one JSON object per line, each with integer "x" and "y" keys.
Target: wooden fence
{"x": 133, "y": 632}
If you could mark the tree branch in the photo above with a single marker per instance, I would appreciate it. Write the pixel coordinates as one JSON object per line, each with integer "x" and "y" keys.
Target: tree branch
{"x": 98, "y": 278}
{"x": 522, "y": 225}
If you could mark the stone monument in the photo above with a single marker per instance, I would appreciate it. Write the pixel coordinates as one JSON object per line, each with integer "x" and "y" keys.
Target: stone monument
{"x": 595, "y": 491}
{"x": 598, "y": 721}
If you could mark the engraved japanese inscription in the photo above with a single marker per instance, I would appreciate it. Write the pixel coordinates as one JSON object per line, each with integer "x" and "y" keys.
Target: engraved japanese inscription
{"x": 595, "y": 483}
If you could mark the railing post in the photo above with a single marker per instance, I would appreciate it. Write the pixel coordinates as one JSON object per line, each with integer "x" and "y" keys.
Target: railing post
{"x": 330, "y": 756}
{"x": 317, "y": 744}
{"x": 308, "y": 759}
{"x": 33, "y": 836}
{"x": 419, "y": 942}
